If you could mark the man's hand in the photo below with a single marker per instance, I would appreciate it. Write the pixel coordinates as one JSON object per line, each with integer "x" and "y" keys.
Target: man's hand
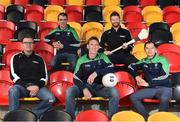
{"x": 91, "y": 78}
{"x": 33, "y": 90}
{"x": 87, "y": 93}
{"x": 57, "y": 45}
{"x": 141, "y": 82}
{"x": 124, "y": 46}
{"x": 107, "y": 52}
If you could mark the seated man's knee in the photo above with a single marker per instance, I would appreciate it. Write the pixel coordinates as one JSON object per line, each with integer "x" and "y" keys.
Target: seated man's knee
{"x": 133, "y": 97}
{"x": 14, "y": 89}
{"x": 71, "y": 91}
{"x": 114, "y": 93}
{"x": 50, "y": 99}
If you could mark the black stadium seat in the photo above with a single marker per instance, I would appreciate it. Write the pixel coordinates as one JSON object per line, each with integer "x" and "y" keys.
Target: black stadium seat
{"x": 56, "y": 115}
{"x": 40, "y": 2}
{"x": 159, "y": 33}
{"x": 164, "y": 3}
{"x": 14, "y": 13}
{"x": 20, "y": 115}
{"x": 93, "y": 14}
{"x": 24, "y": 28}
{"x": 125, "y": 3}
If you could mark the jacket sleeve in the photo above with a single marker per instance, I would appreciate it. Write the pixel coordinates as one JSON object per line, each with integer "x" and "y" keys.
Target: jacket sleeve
{"x": 103, "y": 41}
{"x": 50, "y": 38}
{"x": 14, "y": 71}
{"x": 77, "y": 76}
{"x": 134, "y": 67}
{"x": 108, "y": 66}
{"x": 43, "y": 74}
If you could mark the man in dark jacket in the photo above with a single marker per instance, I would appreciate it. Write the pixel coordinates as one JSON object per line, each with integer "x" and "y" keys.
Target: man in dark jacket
{"x": 65, "y": 40}
{"x": 29, "y": 73}
{"x": 88, "y": 74}
{"x": 156, "y": 81}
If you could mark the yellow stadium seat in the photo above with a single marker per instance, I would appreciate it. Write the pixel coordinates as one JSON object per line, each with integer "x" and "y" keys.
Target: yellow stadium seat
{"x": 77, "y": 27}
{"x": 152, "y": 14}
{"x": 90, "y": 29}
{"x": 163, "y": 117}
{"x": 138, "y": 51}
{"x": 51, "y": 13}
{"x": 175, "y": 30}
{"x": 5, "y": 3}
{"x": 109, "y": 25}
{"x": 108, "y": 10}
{"x": 75, "y": 2}
{"x": 127, "y": 116}
{"x": 110, "y": 2}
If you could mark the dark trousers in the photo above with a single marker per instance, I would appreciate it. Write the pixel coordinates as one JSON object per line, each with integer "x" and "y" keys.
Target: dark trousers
{"x": 164, "y": 94}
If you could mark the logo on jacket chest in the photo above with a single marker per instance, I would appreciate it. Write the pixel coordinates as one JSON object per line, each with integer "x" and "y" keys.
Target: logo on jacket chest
{"x": 35, "y": 62}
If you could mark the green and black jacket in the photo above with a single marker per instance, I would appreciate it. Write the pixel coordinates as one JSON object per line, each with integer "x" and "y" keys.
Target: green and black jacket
{"x": 68, "y": 37}
{"x": 86, "y": 66}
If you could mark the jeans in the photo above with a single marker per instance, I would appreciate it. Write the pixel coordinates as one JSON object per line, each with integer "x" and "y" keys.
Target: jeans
{"x": 18, "y": 91}
{"x": 164, "y": 94}
{"x": 60, "y": 57}
{"x": 110, "y": 93}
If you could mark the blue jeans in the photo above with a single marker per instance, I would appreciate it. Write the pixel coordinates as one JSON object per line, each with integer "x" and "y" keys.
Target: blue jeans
{"x": 164, "y": 94}
{"x": 110, "y": 93}
{"x": 18, "y": 91}
{"x": 60, "y": 57}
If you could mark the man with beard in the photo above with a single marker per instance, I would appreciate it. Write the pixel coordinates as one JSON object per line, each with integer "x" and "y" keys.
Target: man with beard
{"x": 115, "y": 37}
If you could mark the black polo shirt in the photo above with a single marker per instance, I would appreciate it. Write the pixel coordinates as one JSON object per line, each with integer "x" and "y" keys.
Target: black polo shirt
{"x": 114, "y": 39}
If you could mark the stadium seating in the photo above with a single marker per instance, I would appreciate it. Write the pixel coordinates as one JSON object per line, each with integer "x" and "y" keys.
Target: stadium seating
{"x": 57, "y": 2}
{"x": 93, "y": 13}
{"x": 175, "y": 30}
{"x": 34, "y": 13}
{"x": 26, "y": 27}
{"x": 108, "y": 10}
{"x": 138, "y": 51}
{"x": 92, "y": 2}
{"x": 56, "y": 115}
{"x": 11, "y": 49}
{"x": 42, "y": 3}
{"x": 127, "y": 116}
{"x": 14, "y": 13}
{"x": 163, "y": 117}
{"x": 2, "y": 10}
{"x": 6, "y": 28}
{"x": 171, "y": 14}
{"x": 20, "y": 115}
{"x": 5, "y": 84}
{"x": 75, "y": 2}
{"x": 110, "y": 2}
{"x": 45, "y": 28}
{"x": 51, "y": 12}
{"x": 61, "y": 76}
{"x": 125, "y": 3}
{"x": 91, "y": 115}
{"x": 159, "y": 33}
{"x": 132, "y": 14}
{"x": 91, "y": 29}
{"x": 152, "y": 14}
{"x": 144, "y": 3}
{"x": 164, "y": 3}
{"x": 75, "y": 13}
{"x": 5, "y": 3}
{"x": 23, "y": 3}
{"x": 46, "y": 51}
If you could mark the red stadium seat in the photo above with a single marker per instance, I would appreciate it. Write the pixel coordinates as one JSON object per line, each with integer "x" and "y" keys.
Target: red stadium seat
{"x": 126, "y": 86}
{"x": 11, "y": 49}
{"x": 58, "y": 89}
{"x": 45, "y": 28}
{"x": 34, "y": 13}
{"x": 61, "y": 76}
{"x": 91, "y": 115}
{"x": 171, "y": 14}
{"x": 132, "y": 14}
{"x": 135, "y": 28}
{"x": 24, "y": 3}
{"x": 93, "y": 2}
{"x": 7, "y": 29}
{"x": 5, "y": 84}
{"x": 147, "y": 2}
{"x": 46, "y": 51}
{"x": 2, "y": 9}
{"x": 164, "y": 48}
{"x": 57, "y": 2}
{"x": 75, "y": 13}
